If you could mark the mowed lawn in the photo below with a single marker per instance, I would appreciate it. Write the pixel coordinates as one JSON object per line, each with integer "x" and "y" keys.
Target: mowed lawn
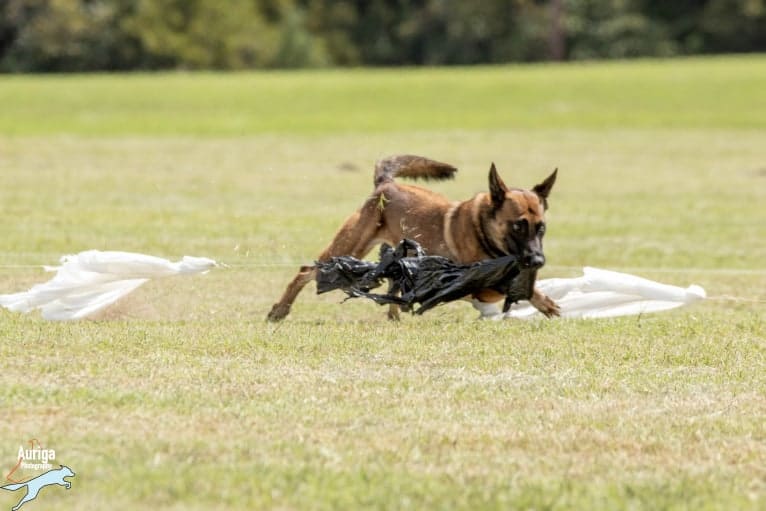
{"x": 181, "y": 396}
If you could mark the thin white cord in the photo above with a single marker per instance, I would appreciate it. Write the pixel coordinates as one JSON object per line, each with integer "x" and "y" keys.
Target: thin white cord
{"x": 629, "y": 269}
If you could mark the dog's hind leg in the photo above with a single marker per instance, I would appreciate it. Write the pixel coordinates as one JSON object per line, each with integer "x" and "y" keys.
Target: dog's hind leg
{"x": 356, "y": 237}
{"x": 30, "y": 495}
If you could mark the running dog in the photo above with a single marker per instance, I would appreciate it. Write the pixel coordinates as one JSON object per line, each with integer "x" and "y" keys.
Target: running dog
{"x": 503, "y": 221}
{"x": 33, "y": 486}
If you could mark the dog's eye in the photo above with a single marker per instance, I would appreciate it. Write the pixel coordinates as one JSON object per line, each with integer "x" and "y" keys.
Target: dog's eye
{"x": 519, "y": 227}
{"x": 541, "y": 229}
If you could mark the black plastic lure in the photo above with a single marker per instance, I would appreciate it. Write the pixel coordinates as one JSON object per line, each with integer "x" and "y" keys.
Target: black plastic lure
{"x": 417, "y": 278}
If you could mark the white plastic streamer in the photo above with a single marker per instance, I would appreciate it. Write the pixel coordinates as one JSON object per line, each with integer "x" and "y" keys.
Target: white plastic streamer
{"x": 601, "y": 294}
{"x": 90, "y": 281}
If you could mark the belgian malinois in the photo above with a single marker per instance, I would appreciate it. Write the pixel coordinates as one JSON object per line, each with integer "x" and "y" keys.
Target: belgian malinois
{"x": 503, "y": 221}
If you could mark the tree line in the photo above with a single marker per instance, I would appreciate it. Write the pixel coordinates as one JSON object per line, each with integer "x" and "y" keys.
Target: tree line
{"x": 111, "y": 35}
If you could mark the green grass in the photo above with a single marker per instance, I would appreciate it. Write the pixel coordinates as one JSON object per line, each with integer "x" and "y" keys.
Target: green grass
{"x": 693, "y": 93}
{"x": 182, "y": 397}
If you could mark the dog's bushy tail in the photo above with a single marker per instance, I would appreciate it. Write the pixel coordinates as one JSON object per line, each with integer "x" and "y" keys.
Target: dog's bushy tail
{"x": 414, "y": 167}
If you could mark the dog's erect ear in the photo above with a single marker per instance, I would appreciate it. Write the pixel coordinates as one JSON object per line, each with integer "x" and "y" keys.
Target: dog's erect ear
{"x": 497, "y": 188}
{"x": 544, "y": 189}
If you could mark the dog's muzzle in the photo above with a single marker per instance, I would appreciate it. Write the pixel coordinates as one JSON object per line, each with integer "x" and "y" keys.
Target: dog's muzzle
{"x": 533, "y": 260}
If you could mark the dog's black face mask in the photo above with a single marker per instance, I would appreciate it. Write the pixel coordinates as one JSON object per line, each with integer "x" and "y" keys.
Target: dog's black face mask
{"x": 523, "y": 211}
{"x": 526, "y": 241}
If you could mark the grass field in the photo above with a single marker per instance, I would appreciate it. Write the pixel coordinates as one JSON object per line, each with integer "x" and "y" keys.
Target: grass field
{"x": 183, "y": 397}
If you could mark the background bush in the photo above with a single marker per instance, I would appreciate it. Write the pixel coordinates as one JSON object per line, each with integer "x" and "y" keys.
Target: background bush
{"x": 88, "y": 35}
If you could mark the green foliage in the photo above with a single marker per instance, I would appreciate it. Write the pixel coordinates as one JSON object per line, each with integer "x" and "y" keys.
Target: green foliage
{"x": 202, "y": 34}
{"x": 65, "y": 35}
{"x": 735, "y": 25}
{"x": 80, "y": 35}
{"x": 615, "y": 29}
{"x": 298, "y": 46}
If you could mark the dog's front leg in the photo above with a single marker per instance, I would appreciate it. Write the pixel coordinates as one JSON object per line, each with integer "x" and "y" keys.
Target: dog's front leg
{"x": 393, "y": 309}
{"x": 282, "y": 308}
{"x": 544, "y": 304}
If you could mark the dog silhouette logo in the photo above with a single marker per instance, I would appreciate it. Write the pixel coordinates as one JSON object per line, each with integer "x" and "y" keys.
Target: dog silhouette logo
{"x": 52, "y": 477}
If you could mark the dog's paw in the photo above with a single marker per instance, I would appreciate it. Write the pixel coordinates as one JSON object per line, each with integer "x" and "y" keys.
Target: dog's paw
{"x": 278, "y": 312}
{"x": 545, "y": 304}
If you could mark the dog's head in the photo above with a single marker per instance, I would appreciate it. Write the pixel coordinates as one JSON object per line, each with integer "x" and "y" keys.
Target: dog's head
{"x": 518, "y": 218}
{"x": 66, "y": 471}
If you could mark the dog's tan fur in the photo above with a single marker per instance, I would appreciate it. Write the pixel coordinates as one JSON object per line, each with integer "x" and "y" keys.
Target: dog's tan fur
{"x": 465, "y": 232}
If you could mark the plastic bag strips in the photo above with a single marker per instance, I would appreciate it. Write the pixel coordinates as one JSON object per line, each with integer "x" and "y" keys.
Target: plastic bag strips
{"x": 90, "y": 281}
{"x": 416, "y": 278}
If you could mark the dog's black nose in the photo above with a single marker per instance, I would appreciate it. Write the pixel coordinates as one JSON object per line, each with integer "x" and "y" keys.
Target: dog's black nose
{"x": 533, "y": 260}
